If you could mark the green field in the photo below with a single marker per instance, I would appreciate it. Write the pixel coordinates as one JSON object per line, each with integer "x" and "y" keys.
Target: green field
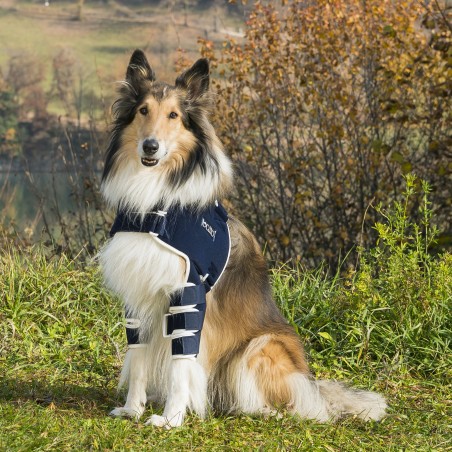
{"x": 385, "y": 327}
{"x": 61, "y": 351}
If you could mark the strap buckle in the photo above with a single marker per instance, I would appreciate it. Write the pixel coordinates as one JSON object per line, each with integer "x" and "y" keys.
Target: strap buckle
{"x": 155, "y": 222}
{"x": 174, "y": 333}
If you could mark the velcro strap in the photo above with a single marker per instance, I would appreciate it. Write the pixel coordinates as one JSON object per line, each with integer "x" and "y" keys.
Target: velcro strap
{"x": 187, "y": 345}
{"x": 155, "y": 222}
{"x": 190, "y": 295}
{"x": 132, "y": 323}
{"x": 221, "y": 211}
{"x": 132, "y": 336}
{"x": 191, "y": 321}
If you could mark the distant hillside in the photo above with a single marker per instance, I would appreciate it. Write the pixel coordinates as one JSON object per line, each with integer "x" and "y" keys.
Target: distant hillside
{"x": 100, "y": 44}
{"x": 57, "y": 69}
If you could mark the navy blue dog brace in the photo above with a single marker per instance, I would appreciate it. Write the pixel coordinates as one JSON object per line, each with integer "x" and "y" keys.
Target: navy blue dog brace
{"x": 202, "y": 239}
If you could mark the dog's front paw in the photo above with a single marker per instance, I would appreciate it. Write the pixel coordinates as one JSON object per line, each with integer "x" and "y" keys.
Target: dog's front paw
{"x": 165, "y": 422}
{"x": 126, "y": 412}
{"x": 268, "y": 412}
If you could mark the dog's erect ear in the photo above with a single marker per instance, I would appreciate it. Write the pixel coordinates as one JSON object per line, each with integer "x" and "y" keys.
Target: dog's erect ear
{"x": 196, "y": 79}
{"x": 139, "y": 68}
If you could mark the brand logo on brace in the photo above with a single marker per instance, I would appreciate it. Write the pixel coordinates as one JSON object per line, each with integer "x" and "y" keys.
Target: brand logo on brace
{"x": 208, "y": 228}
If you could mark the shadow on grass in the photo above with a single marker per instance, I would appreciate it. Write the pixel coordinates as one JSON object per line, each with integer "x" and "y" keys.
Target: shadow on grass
{"x": 99, "y": 401}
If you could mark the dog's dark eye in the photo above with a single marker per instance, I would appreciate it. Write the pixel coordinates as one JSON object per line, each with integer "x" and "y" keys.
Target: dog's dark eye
{"x": 173, "y": 115}
{"x": 143, "y": 111}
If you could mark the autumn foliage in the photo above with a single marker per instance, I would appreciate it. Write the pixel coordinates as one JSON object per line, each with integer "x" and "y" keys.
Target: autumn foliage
{"x": 324, "y": 106}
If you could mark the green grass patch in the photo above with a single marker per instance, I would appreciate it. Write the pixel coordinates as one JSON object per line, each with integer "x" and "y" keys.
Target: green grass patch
{"x": 384, "y": 326}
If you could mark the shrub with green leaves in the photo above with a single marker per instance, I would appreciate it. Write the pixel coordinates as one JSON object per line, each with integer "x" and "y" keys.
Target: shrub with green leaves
{"x": 393, "y": 312}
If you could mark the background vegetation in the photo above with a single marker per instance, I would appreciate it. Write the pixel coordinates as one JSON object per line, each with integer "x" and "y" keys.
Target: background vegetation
{"x": 58, "y": 75}
{"x": 327, "y": 105}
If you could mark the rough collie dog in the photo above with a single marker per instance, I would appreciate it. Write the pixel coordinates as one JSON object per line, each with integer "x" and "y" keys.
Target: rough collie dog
{"x": 196, "y": 341}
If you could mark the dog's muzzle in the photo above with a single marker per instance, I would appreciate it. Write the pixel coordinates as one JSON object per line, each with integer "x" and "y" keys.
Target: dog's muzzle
{"x": 150, "y": 147}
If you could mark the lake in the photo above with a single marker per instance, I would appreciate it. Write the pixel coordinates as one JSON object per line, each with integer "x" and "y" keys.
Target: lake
{"x": 30, "y": 201}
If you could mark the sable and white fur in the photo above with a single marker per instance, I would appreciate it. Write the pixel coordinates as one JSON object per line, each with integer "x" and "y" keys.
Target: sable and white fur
{"x": 251, "y": 360}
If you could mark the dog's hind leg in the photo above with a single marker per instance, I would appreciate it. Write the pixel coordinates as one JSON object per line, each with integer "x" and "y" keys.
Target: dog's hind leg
{"x": 134, "y": 373}
{"x": 273, "y": 374}
{"x": 260, "y": 378}
{"x": 187, "y": 391}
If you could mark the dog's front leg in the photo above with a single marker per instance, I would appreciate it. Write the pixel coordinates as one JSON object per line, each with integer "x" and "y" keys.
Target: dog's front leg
{"x": 187, "y": 390}
{"x": 134, "y": 372}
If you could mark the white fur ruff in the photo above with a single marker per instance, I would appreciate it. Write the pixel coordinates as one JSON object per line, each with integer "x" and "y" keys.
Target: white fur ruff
{"x": 144, "y": 188}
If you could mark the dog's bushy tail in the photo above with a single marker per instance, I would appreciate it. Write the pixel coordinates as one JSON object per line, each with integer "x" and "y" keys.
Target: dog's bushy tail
{"x": 342, "y": 400}
{"x": 325, "y": 400}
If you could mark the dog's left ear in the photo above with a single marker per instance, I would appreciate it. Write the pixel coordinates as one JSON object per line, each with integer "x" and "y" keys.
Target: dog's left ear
{"x": 196, "y": 79}
{"x": 139, "y": 68}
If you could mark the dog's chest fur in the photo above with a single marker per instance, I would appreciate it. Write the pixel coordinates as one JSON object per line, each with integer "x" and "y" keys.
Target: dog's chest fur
{"x": 141, "y": 272}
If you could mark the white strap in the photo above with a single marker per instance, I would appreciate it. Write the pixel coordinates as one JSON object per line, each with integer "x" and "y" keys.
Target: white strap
{"x": 179, "y": 309}
{"x": 190, "y": 357}
{"x": 176, "y": 333}
{"x": 133, "y": 323}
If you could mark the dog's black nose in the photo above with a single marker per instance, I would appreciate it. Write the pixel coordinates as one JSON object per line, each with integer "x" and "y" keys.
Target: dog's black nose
{"x": 150, "y": 146}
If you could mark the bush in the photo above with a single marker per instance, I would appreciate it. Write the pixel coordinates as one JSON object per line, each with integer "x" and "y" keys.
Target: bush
{"x": 393, "y": 313}
{"x": 323, "y": 107}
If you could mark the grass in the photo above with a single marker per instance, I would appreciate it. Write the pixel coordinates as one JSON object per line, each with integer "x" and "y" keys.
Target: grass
{"x": 61, "y": 355}
{"x": 63, "y": 342}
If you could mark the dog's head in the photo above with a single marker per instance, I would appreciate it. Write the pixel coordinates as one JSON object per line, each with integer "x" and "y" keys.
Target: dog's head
{"x": 161, "y": 124}
{"x": 163, "y": 149}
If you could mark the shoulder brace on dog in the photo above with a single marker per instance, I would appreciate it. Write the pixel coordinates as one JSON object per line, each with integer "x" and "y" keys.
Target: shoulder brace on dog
{"x": 202, "y": 239}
